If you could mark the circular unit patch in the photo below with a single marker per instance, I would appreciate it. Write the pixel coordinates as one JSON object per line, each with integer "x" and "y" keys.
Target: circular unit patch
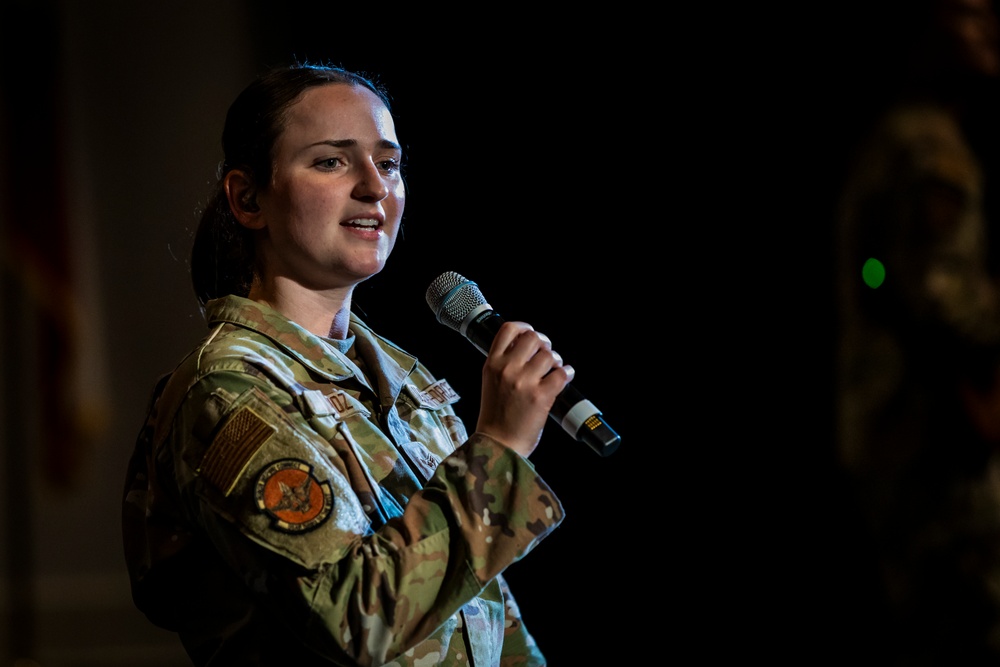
{"x": 296, "y": 501}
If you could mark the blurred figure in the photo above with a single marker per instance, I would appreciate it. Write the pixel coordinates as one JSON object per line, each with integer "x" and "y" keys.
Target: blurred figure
{"x": 918, "y": 407}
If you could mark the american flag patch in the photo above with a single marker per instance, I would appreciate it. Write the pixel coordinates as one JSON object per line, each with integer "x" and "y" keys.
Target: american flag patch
{"x": 233, "y": 447}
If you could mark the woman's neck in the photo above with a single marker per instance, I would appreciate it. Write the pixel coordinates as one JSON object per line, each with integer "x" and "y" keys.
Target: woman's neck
{"x": 326, "y": 313}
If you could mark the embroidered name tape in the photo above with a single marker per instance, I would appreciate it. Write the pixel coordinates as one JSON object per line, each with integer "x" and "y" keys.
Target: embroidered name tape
{"x": 337, "y": 404}
{"x": 438, "y": 394}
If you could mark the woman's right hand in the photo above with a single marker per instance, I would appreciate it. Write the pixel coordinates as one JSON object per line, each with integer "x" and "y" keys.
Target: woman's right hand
{"x": 522, "y": 377}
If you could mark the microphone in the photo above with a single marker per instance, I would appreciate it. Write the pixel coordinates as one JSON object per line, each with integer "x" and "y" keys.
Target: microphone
{"x": 458, "y": 304}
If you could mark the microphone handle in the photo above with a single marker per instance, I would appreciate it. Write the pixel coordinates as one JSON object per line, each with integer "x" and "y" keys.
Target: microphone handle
{"x": 574, "y": 413}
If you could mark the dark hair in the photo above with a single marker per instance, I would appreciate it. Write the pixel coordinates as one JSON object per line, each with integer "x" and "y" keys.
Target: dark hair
{"x": 223, "y": 260}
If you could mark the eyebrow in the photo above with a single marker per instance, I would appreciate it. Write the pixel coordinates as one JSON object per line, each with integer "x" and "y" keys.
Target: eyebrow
{"x": 346, "y": 143}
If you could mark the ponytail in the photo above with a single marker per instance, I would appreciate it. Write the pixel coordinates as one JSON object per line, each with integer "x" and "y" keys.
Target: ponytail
{"x": 222, "y": 258}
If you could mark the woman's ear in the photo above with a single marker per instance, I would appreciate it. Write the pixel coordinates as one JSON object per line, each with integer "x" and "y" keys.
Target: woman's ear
{"x": 242, "y": 196}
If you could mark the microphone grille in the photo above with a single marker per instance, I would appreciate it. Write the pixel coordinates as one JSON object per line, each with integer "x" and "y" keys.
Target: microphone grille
{"x": 453, "y": 297}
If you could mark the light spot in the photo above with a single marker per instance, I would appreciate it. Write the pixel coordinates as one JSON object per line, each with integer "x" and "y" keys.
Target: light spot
{"x": 429, "y": 660}
{"x": 873, "y": 273}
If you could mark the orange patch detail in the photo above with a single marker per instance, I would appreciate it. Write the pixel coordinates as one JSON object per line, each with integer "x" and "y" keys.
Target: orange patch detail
{"x": 289, "y": 492}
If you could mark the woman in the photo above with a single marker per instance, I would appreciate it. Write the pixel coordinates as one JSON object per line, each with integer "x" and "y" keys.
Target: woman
{"x": 303, "y": 492}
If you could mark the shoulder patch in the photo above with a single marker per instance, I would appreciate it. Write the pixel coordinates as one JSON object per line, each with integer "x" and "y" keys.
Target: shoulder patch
{"x": 289, "y": 492}
{"x": 233, "y": 447}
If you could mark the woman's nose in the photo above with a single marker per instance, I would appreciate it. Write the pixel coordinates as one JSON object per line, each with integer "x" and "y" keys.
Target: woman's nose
{"x": 370, "y": 185}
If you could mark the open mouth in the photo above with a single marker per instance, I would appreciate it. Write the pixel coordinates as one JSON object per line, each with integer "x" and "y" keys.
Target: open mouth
{"x": 363, "y": 223}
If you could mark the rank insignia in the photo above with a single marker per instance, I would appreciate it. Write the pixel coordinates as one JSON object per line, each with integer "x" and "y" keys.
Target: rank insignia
{"x": 288, "y": 491}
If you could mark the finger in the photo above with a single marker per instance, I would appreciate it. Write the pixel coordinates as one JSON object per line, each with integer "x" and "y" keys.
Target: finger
{"x": 542, "y": 359}
{"x": 558, "y": 377}
{"x": 534, "y": 351}
{"x": 523, "y": 346}
{"x": 507, "y": 334}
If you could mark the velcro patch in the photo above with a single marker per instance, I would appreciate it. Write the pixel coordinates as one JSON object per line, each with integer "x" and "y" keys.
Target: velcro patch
{"x": 317, "y": 404}
{"x": 435, "y": 396}
{"x": 233, "y": 447}
{"x": 288, "y": 491}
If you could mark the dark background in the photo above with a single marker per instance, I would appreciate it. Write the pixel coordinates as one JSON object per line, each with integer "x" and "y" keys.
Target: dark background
{"x": 533, "y": 169}
{"x": 656, "y": 190}
{"x": 657, "y": 194}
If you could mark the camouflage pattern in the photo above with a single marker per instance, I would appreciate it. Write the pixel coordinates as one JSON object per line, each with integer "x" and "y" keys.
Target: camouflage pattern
{"x": 279, "y": 509}
{"x": 914, "y": 357}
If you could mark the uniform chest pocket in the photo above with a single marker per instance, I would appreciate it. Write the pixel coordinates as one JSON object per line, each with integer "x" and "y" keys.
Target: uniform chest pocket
{"x": 430, "y": 417}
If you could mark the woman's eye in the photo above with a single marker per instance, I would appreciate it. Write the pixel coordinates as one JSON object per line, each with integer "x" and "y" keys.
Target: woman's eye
{"x": 389, "y": 165}
{"x": 329, "y": 163}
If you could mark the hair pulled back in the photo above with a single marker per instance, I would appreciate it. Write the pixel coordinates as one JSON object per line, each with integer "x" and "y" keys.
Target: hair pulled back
{"x": 223, "y": 259}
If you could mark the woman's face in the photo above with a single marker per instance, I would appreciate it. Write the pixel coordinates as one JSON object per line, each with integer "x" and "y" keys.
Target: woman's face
{"x": 333, "y": 207}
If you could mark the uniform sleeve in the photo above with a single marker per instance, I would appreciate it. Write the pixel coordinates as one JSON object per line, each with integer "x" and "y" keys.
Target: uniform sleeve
{"x": 519, "y": 647}
{"x": 278, "y": 504}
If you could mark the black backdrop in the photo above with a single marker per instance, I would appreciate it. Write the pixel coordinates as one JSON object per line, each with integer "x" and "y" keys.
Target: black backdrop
{"x": 656, "y": 191}
{"x": 517, "y": 179}
{"x": 657, "y": 194}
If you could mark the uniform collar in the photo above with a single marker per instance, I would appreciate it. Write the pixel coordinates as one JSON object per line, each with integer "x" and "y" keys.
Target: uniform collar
{"x": 389, "y": 364}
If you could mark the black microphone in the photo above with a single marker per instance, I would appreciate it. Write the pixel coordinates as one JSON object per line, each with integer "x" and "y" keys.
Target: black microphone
{"x": 457, "y": 303}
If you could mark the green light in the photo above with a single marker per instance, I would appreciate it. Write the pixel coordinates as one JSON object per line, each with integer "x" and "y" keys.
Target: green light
{"x": 873, "y": 273}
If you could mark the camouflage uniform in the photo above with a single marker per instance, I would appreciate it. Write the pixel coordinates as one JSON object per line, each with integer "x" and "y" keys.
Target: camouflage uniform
{"x": 912, "y": 355}
{"x": 284, "y": 507}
